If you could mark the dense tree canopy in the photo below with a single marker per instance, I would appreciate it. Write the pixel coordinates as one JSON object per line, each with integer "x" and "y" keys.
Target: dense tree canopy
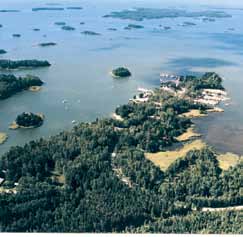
{"x": 10, "y": 84}
{"x": 95, "y": 178}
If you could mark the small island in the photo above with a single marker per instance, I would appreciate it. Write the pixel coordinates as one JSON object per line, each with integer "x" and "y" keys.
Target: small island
{"x": 1, "y": 25}
{"x": 166, "y": 27}
{"x": 47, "y": 44}
{"x": 188, "y": 23}
{"x": 87, "y": 32}
{"x": 2, "y": 51}
{"x": 36, "y": 29}
{"x": 17, "y": 64}
{"x": 16, "y": 35}
{"x": 140, "y": 14}
{"x": 4, "y": 11}
{"x": 27, "y": 120}
{"x": 208, "y": 19}
{"x": 68, "y": 28}
{"x": 121, "y": 72}
{"x": 10, "y": 84}
{"x": 133, "y": 26}
{"x": 74, "y": 8}
{"x": 112, "y": 29}
{"x": 47, "y": 9}
{"x": 60, "y": 23}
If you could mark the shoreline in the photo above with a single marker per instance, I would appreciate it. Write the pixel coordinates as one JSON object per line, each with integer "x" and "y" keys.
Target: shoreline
{"x": 190, "y": 137}
{"x": 3, "y": 138}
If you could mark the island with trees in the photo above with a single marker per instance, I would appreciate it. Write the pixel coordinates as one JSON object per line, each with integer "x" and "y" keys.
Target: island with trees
{"x": 74, "y": 8}
{"x": 108, "y": 175}
{"x": 120, "y": 72}
{"x": 27, "y": 120}
{"x": 47, "y": 44}
{"x": 2, "y": 51}
{"x": 16, "y": 35}
{"x": 10, "y": 84}
{"x": 68, "y": 28}
{"x": 8, "y": 11}
{"x": 19, "y": 64}
{"x": 88, "y": 32}
{"x": 36, "y": 9}
{"x": 140, "y": 14}
{"x": 60, "y": 23}
{"x": 133, "y": 26}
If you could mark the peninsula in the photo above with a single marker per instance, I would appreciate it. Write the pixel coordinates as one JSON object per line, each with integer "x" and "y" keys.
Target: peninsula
{"x": 124, "y": 174}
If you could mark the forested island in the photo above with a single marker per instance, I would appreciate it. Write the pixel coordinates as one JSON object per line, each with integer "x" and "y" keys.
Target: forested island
{"x": 100, "y": 177}
{"x": 133, "y": 26}
{"x": 36, "y": 9}
{"x": 121, "y": 72}
{"x": 139, "y": 14}
{"x": 88, "y": 32}
{"x": 60, "y": 23}
{"x": 47, "y": 44}
{"x": 10, "y": 84}
{"x": 68, "y": 28}
{"x": 18, "y": 64}
{"x": 74, "y": 8}
{"x": 27, "y": 120}
{"x": 16, "y": 35}
{"x": 2, "y": 51}
{"x": 4, "y": 11}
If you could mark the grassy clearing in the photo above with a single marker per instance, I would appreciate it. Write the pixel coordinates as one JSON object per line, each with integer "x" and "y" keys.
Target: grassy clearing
{"x": 164, "y": 159}
{"x": 59, "y": 178}
{"x": 3, "y": 137}
{"x": 194, "y": 113}
{"x": 189, "y": 134}
{"x": 228, "y": 160}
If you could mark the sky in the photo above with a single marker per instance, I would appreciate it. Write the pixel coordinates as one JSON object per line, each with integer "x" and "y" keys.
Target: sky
{"x": 227, "y": 3}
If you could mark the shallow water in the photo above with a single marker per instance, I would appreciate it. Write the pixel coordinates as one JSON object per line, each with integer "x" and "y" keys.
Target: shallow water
{"x": 81, "y": 64}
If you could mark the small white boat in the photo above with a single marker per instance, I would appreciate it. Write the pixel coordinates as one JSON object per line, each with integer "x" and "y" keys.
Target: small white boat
{"x": 74, "y": 122}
